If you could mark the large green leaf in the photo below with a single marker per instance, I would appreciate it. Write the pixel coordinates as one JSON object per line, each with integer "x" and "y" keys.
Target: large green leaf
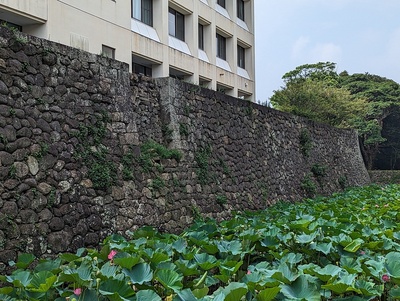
{"x": 206, "y": 261}
{"x": 170, "y": 279}
{"x": 368, "y": 288}
{"x": 4, "y": 297}
{"x": 268, "y": 294}
{"x": 179, "y": 245}
{"x": 108, "y": 270}
{"x": 374, "y": 267}
{"x": 300, "y": 224}
{"x": 322, "y": 247}
{"x": 116, "y": 290}
{"x": 48, "y": 265}
{"x": 269, "y": 242}
{"x": 24, "y": 260}
{"x": 327, "y": 272}
{"x": 301, "y": 289}
{"x": 395, "y": 292}
{"x": 292, "y": 258}
{"x": 230, "y": 266}
{"x": 42, "y": 281}
{"x": 88, "y": 295}
{"x": 338, "y": 287}
{"x": 147, "y": 295}
{"x": 185, "y": 295}
{"x": 6, "y": 290}
{"x": 393, "y": 264}
{"x": 158, "y": 257}
{"x": 200, "y": 292}
{"x": 306, "y": 238}
{"x": 146, "y": 232}
{"x": 234, "y": 291}
{"x": 354, "y": 245}
{"x": 81, "y": 275}
{"x": 187, "y": 267}
{"x": 20, "y": 278}
{"x": 233, "y": 247}
{"x": 351, "y": 265}
{"x": 285, "y": 274}
{"x": 127, "y": 261}
{"x": 140, "y": 273}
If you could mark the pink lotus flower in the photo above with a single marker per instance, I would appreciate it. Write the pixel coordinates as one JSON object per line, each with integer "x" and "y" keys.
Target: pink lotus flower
{"x": 385, "y": 278}
{"x": 78, "y": 291}
{"x": 248, "y": 272}
{"x": 362, "y": 252}
{"x": 112, "y": 254}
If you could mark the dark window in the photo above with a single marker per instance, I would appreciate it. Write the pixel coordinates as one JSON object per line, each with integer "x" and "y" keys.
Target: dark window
{"x": 140, "y": 69}
{"x": 142, "y": 10}
{"x": 240, "y": 56}
{"x": 201, "y": 37}
{"x": 240, "y": 9}
{"x": 221, "y": 3}
{"x": 176, "y": 24}
{"x": 221, "y": 47}
{"x": 108, "y": 51}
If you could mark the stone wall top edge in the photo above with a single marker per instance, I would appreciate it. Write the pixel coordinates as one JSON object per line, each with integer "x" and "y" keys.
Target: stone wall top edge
{"x": 65, "y": 49}
{"x": 237, "y": 102}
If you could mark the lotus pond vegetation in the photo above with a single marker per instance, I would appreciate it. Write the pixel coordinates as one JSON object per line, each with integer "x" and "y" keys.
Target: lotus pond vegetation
{"x": 345, "y": 247}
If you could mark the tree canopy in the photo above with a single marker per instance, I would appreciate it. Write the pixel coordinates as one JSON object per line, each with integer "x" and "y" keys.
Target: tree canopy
{"x": 360, "y": 101}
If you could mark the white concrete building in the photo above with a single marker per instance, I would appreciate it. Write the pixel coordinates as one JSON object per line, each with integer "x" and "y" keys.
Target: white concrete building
{"x": 205, "y": 42}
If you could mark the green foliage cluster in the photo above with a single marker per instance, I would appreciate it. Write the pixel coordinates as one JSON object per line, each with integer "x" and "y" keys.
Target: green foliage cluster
{"x": 43, "y": 150}
{"x": 183, "y": 129}
{"x": 360, "y": 101}
{"x": 305, "y": 142}
{"x": 202, "y": 158}
{"x": 12, "y": 172}
{"x": 308, "y": 185}
{"x": 314, "y": 93}
{"x": 126, "y": 161}
{"x": 221, "y": 199}
{"x": 151, "y": 154}
{"x": 102, "y": 171}
{"x": 167, "y": 132}
{"x": 341, "y": 248}
{"x": 319, "y": 171}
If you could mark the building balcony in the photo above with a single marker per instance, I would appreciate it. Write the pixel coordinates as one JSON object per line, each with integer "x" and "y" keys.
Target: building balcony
{"x": 24, "y": 12}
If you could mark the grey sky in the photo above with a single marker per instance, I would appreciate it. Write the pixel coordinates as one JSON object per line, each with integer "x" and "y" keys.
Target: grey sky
{"x": 359, "y": 35}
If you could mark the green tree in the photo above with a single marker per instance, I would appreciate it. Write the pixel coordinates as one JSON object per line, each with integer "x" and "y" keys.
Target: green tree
{"x": 360, "y": 101}
{"x": 313, "y": 91}
{"x": 383, "y": 99}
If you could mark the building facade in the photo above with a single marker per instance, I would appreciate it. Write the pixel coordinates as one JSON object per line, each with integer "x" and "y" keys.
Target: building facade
{"x": 205, "y": 42}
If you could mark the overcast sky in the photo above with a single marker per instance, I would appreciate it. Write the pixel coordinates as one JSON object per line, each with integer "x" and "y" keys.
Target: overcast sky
{"x": 358, "y": 35}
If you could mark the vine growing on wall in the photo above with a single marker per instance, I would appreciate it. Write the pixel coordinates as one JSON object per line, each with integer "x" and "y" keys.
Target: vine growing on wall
{"x": 102, "y": 171}
{"x": 305, "y": 142}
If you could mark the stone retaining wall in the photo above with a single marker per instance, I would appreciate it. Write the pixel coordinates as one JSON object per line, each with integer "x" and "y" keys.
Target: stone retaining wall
{"x": 88, "y": 149}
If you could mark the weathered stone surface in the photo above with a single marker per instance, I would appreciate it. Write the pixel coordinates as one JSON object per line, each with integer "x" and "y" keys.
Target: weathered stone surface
{"x": 56, "y": 224}
{"x": 21, "y": 169}
{"x": 45, "y": 188}
{"x": 10, "y": 209}
{"x": 6, "y": 159}
{"x": 33, "y": 165}
{"x": 59, "y": 241}
{"x": 74, "y": 166}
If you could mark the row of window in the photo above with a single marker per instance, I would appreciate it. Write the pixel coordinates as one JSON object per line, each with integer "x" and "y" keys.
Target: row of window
{"x": 142, "y": 10}
{"x": 221, "y": 51}
{"x": 239, "y": 8}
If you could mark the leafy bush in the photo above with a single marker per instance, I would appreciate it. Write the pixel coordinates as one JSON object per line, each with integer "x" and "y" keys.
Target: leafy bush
{"x": 346, "y": 247}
